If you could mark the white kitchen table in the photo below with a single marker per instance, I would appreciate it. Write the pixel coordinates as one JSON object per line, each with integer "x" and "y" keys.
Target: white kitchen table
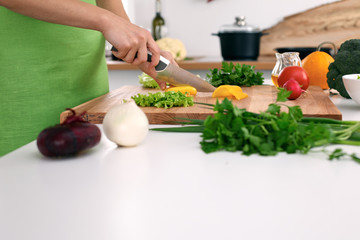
{"x": 168, "y": 189}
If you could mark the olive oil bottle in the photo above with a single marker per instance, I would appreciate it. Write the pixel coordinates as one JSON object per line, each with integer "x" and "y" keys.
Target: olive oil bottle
{"x": 158, "y": 23}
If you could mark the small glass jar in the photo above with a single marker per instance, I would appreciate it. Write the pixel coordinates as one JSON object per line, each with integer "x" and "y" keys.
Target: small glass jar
{"x": 284, "y": 60}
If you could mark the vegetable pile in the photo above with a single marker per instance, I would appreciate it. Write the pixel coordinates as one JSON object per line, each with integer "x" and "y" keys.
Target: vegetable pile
{"x": 163, "y": 100}
{"x": 270, "y": 132}
{"x": 346, "y": 62}
{"x": 230, "y": 74}
{"x": 69, "y": 138}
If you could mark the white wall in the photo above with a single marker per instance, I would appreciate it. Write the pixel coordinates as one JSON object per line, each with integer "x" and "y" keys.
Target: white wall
{"x": 129, "y": 6}
{"x": 193, "y": 21}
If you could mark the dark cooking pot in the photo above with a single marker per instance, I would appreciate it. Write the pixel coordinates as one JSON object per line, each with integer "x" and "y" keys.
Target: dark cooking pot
{"x": 304, "y": 51}
{"x": 239, "y": 41}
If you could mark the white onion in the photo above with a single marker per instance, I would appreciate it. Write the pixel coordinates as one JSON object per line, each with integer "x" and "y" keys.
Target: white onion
{"x": 126, "y": 124}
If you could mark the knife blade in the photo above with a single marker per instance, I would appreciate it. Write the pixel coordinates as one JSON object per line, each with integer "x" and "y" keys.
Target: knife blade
{"x": 177, "y": 76}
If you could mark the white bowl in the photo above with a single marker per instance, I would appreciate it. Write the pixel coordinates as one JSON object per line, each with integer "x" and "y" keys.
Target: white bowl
{"x": 352, "y": 86}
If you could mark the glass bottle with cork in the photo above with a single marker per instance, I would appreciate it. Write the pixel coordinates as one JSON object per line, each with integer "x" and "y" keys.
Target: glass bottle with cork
{"x": 158, "y": 23}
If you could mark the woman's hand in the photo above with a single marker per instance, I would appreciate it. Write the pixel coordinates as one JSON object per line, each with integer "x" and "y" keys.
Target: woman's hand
{"x": 131, "y": 40}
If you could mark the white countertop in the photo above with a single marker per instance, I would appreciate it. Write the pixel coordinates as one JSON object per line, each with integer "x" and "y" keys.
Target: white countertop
{"x": 168, "y": 189}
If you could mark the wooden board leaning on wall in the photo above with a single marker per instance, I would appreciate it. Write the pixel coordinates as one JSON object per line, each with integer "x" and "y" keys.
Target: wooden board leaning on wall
{"x": 335, "y": 22}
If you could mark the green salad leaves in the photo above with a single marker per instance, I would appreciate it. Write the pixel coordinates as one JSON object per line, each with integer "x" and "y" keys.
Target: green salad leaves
{"x": 163, "y": 100}
{"x": 147, "y": 81}
{"x": 230, "y": 74}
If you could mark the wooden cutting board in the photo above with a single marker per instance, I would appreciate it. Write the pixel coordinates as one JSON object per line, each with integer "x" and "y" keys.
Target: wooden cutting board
{"x": 314, "y": 102}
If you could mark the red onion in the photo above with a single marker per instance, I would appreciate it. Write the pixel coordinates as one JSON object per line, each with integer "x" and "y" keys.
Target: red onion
{"x": 68, "y": 138}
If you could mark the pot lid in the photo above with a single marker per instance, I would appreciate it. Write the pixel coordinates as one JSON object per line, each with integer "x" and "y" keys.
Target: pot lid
{"x": 240, "y": 25}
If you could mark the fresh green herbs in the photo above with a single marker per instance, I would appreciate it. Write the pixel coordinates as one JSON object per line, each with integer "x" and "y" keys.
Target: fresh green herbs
{"x": 163, "y": 100}
{"x": 339, "y": 153}
{"x": 148, "y": 82}
{"x": 230, "y": 74}
{"x": 270, "y": 132}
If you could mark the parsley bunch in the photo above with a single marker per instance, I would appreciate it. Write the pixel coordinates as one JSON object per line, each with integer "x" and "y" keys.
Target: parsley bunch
{"x": 163, "y": 100}
{"x": 230, "y": 74}
{"x": 267, "y": 133}
{"x": 270, "y": 132}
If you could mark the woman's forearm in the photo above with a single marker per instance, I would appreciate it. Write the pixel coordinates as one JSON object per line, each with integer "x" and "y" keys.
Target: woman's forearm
{"x": 67, "y": 12}
{"x": 109, "y": 18}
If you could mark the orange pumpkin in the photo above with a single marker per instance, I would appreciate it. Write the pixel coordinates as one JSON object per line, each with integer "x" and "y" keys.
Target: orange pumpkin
{"x": 316, "y": 65}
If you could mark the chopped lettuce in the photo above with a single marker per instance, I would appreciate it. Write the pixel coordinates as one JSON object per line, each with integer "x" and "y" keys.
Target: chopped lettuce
{"x": 147, "y": 81}
{"x": 163, "y": 100}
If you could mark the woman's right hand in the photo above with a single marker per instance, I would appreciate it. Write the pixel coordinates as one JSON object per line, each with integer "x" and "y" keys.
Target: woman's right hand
{"x": 130, "y": 40}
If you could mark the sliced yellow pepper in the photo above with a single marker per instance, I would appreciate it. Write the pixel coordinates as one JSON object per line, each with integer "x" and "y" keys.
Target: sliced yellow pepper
{"x": 229, "y": 91}
{"x": 183, "y": 89}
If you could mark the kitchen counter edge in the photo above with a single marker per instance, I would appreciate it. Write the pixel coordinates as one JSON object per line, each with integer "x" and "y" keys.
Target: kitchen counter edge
{"x": 201, "y": 63}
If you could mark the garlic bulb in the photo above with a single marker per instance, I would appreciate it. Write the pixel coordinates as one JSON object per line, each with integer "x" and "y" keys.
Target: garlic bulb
{"x": 126, "y": 124}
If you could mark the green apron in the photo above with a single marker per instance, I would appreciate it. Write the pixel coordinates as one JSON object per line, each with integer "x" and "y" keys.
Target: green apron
{"x": 44, "y": 69}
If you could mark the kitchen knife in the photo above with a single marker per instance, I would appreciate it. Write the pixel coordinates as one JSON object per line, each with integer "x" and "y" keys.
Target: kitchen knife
{"x": 177, "y": 76}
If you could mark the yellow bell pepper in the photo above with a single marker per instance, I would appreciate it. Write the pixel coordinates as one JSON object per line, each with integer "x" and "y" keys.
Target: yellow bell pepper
{"x": 229, "y": 91}
{"x": 183, "y": 89}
